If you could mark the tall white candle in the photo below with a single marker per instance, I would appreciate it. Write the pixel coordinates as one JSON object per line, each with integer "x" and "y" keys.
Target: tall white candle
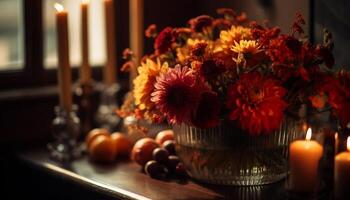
{"x": 64, "y": 70}
{"x": 342, "y": 174}
{"x": 136, "y": 33}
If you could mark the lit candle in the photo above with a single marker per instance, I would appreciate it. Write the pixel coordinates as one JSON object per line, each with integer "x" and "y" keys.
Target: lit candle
{"x": 304, "y": 159}
{"x": 336, "y": 143}
{"x": 64, "y": 71}
{"x": 85, "y": 70}
{"x": 110, "y": 72}
{"x": 136, "y": 33}
{"x": 342, "y": 174}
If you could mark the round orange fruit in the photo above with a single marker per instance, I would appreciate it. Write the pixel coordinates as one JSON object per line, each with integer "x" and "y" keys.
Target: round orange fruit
{"x": 142, "y": 151}
{"x": 95, "y": 133}
{"x": 122, "y": 144}
{"x": 164, "y": 135}
{"x": 102, "y": 149}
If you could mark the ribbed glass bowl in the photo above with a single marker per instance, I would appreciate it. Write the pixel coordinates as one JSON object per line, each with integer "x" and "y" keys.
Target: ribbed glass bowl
{"x": 227, "y": 156}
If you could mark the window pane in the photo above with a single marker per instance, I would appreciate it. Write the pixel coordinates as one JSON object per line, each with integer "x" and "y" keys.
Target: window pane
{"x": 11, "y": 35}
{"x": 96, "y": 32}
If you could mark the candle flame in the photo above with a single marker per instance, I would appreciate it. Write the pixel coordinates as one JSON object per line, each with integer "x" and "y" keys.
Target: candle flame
{"x": 85, "y": 1}
{"x": 308, "y": 134}
{"x": 348, "y": 143}
{"x": 59, "y": 7}
{"x": 336, "y": 136}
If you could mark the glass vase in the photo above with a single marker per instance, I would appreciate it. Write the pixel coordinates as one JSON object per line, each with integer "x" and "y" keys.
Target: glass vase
{"x": 66, "y": 130}
{"x": 106, "y": 113}
{"x": 228, "y": 156}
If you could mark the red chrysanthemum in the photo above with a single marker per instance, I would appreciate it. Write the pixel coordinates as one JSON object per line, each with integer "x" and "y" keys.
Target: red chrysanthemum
{"x": 256, "y": 102}
{"x": 197, "y": 24}
{"x": 207, "y": 112}
{"x": 210, "y": 69}
{"x": 164, "y": 40}
{"x": 336, "y": 94}
{"x": 177, "y": 94}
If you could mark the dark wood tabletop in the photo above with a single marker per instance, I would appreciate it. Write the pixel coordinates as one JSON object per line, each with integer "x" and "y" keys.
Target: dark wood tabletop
{"x": 125, "y": 180}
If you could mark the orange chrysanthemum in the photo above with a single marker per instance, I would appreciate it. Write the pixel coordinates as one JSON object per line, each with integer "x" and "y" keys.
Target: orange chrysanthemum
{"x": 144, "y": 82}
{"x": 235, "y": 34}
{"x": 246, "y": 46}
{"x": 256, "y": 102}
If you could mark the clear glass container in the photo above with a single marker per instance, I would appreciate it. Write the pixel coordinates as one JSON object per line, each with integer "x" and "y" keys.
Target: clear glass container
{"x": 66, "y": 130}
{"x": 86, "y": 96}
{"x": 225, "y": 155}
{"x": 106, "y": 116}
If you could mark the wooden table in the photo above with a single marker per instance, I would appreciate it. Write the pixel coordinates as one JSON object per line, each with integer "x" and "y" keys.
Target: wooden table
{"x": 124, "y": 180}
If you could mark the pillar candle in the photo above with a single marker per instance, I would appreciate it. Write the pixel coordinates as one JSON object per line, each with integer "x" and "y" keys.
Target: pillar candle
{"x": 64, "y": 71}
{"x": 136, "y": 33}
{"x": 336, "y": 143}
{"x": 342, "y": 174}
{"x": 110, "y": 72}
{"x": 304, "y": 160}
{"x": 85, "y": 70}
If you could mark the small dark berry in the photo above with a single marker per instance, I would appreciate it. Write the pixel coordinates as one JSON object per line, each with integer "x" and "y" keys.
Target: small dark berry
{"x": 169, "y": 145}
{"x": 173, "y": 161}
{"x": 160, "y": 155}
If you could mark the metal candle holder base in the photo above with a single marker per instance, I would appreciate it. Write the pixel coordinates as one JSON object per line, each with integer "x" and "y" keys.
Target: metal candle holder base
{"x": 66, "y": 130}
{"x": 106, "y": 116}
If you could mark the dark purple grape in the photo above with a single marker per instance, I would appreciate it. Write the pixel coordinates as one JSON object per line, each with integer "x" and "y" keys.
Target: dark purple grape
{"x": 169, "y": 145}
{"x": 160, "y": 155}
{"x": 181, "y": 170}
{"x": 155, "y": 169}
{"x": 173, "y": 161}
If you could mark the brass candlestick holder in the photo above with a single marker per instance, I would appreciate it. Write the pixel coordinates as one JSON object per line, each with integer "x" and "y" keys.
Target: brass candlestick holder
{"x": 106, "y": 113}
{"x": 66, "y": 130}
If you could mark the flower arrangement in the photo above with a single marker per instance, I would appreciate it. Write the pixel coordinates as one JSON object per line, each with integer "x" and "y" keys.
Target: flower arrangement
{"x": 230, "y": 68}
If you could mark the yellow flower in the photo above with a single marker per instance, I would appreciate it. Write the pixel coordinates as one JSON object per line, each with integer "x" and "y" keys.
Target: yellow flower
{"x": 246, "y": 46}
{"x": 183, "y": 53}
{"x": 235, "y": 34}
{"x": 144, "y": 82}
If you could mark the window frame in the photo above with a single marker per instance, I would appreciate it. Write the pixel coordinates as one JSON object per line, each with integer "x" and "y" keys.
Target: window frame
{"x": 33, "y": 72}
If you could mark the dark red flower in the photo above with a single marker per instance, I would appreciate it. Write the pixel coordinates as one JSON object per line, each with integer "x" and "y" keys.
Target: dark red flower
{"x": 256, "y": 102}
{"x": 293, "y": 44}
{"x": 151, "y": 31}
{"x": 264, "y": 35}
{"x": 298, "y": 23}
{"x": 279, "y": 52}
{"x": 198, "y": 49}
{"x": 222, "y": 24}
{"x": 164, "y": 40}
{"x": 211, "y": 69}
{"x": 326, "y": 55}
{"x": 337, "y": 95}
{"x": 207, "y": 112}
{"x": 200, "y": 22}
{"x": 128, "y": 54}
{"x": 226, "y": 11}
{"x": 177, "y": 94}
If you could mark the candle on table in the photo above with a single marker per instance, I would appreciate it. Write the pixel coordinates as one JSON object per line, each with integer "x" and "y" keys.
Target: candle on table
{"x": 64, "y": 71}
{"x": 85, "y": 70}
{"x": 342, "y": 174}
{"x": 336, "y": 143}
{"x": 110, "y": 72}
{"x": 136, "y": 33}
{"x": 304, "y": 159}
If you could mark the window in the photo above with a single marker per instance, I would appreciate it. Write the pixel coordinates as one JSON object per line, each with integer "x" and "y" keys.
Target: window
{"x": 11, "y": 35}
{"x": 96, "y": 32}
